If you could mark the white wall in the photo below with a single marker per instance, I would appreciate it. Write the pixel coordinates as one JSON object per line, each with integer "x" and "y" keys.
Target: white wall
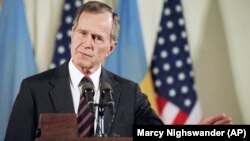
{"x": 210, "y": 52}
{"x": 236, "y": 23}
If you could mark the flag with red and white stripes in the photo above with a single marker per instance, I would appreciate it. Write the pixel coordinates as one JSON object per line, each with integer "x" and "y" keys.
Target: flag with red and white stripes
{"x": 171, "y": 69}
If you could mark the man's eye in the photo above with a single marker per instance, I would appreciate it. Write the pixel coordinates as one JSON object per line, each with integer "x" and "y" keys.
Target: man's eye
{"x": 83, "y": 33}
{"x": 97, "y": 38}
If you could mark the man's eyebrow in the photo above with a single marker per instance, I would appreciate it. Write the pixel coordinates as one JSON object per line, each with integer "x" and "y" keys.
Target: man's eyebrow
{"x": 98, "y": 35}
{"x": 79, "y": 29}
{"x": 92, "y": 33}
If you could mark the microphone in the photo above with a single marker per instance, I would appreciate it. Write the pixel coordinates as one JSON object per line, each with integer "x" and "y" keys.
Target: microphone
{"x": 88, "y": 93}
{"x": 107, "y": 92}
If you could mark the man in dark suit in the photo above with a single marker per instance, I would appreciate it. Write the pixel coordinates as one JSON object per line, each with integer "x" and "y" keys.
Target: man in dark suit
{"x": 94, "y": 37}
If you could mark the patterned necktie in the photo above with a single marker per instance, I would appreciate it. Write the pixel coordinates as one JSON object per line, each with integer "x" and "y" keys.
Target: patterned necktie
{"x": 85, "y": 118}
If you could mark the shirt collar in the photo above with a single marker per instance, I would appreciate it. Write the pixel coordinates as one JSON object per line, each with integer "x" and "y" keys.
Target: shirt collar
{"x": 76, "y": 75}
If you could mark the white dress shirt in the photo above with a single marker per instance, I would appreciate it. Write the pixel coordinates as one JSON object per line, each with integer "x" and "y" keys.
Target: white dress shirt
{"x": 75, "y": 78}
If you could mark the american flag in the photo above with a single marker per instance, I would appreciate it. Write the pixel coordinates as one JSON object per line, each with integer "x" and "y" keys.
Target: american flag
{"x": 171, "y": 69}
{"x": 62, "y": 44}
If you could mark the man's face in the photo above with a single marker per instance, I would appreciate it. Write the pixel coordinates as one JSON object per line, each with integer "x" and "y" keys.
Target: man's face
{"x": 91, "y": 40}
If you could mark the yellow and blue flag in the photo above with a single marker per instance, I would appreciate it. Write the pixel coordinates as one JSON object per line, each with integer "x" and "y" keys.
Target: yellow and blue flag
{"x": 128, "y": 59}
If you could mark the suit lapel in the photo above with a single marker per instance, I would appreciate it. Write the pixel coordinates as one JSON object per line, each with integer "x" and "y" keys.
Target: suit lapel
{"x": 60, "y": 93}
{"x": 109, "y": 78}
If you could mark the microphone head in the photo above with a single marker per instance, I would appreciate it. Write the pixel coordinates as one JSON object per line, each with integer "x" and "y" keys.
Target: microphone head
{"x": 88, "y": 89}
{"x": 106, "y": 91}
{"x": 87, "y": 86}
{"x": 88, "y": 92}
{"x": 107, "y": 94}
{"x": 105, "y": 86}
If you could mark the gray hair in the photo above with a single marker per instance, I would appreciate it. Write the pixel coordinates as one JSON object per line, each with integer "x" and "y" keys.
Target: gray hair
{"x": 99, "y": 7}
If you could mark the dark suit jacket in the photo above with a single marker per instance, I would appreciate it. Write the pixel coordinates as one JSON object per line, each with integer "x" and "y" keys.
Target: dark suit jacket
{"x": 49, "y": 92}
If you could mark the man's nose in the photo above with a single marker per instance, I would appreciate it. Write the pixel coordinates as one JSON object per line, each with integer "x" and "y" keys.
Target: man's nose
{"x": 88, "y": 41}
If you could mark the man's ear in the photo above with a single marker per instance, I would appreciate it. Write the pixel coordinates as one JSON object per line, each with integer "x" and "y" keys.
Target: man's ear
{"x": 112, "y": 47}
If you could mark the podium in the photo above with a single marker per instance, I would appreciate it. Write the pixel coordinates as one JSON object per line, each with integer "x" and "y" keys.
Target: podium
{"x": 63, "y": 127}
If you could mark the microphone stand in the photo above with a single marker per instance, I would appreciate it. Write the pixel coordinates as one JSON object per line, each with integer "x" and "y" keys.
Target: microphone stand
{"x": 100, "y": 120}
{"x": 105, "y": 100}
